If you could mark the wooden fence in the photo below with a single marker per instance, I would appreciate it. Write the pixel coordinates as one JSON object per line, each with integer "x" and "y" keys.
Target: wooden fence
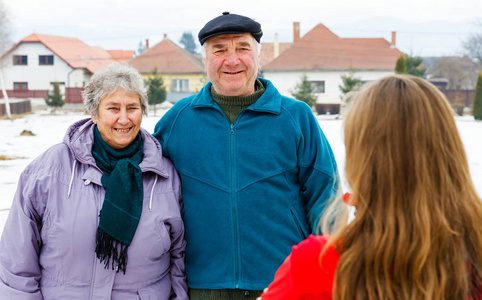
{"x": 73, "y": 95}
{"x": 16, "y": 107}
{"x": 456, "y": 97}
{"x": 23, "y": 94}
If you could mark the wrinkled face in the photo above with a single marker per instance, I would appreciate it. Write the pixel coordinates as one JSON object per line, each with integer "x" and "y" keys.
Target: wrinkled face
{"x": 119, "y": 119}
{"x": 232, "y": 64}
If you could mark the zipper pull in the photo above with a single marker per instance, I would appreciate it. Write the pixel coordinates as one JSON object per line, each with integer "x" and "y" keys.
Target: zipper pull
{"x": 232, "y": 128}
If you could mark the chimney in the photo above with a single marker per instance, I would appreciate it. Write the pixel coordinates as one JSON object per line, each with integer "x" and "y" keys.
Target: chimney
{"x": 165, "y": 36}
{"x": 394, "y": 39}
{"x": 147, "y": 44}
{"x": 275, "y": 46}
{"x": 296, "y": 31}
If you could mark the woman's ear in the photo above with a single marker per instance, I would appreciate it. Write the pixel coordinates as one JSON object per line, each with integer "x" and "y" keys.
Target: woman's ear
{"x": 349, "y": 200}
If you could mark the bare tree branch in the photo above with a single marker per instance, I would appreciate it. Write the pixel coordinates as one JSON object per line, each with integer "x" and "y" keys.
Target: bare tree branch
{"x": 473, "y": 44}
{"x": 461, "y": 72}
{"x": 5, "y": 41}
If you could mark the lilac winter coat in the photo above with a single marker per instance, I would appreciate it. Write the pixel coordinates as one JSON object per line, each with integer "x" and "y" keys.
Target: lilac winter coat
{"x": 47, "y": 250}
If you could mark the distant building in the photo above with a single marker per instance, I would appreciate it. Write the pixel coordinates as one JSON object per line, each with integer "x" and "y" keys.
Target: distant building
{"x": 182, "y": 72}
{"x": 440, "y": 83}
{"x": 32, "y": 65}
{"x": 325, "y": 57}
{"x": 270, "y": 51}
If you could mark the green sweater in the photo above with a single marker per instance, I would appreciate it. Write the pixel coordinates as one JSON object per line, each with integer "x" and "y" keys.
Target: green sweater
{"x": 233, "y": 105}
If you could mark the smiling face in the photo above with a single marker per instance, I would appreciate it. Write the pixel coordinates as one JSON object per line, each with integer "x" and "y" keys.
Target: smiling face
{"x": 119, "y": 119}
{"x": 232, "y": 64}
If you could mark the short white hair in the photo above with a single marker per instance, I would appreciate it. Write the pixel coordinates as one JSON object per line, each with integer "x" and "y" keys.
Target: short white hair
{"x": 108, "y": 80}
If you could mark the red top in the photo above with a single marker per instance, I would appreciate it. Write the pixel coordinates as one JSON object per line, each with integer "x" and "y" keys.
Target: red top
{"x": 301, "y": 276}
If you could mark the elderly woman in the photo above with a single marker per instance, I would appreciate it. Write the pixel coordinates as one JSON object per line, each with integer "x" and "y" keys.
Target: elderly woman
{"x": 98, "y": 216}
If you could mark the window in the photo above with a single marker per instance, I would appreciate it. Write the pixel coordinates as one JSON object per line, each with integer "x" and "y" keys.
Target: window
{"x": 20, "y": 60}
{"x": 180, "y": 85}
{"x": 20, "y": 85}
{"x": 319, "y": 86}
{"x": 45, "y": 60}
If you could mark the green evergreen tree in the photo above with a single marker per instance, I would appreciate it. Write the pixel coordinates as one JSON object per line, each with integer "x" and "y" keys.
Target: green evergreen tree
{"x": 477, "y": 106}
{"x": 400, "y": 66}
{"x": 156, "y": 91}
{"x": 305, "y": 91}
{"x": 350, "y": 83}
{"x": 54, "y": 98}
{"x": 140, "y": 48}
{"x": 414, "y": 66}
{"x": 187, "y": 40}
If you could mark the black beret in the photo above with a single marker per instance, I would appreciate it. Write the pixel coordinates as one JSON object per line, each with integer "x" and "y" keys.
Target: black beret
{"x": 229, "y": 24}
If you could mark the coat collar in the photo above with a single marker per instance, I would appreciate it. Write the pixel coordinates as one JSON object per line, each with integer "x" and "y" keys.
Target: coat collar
{"x": 80, "y": 137}
{"x": 269, "y": 102}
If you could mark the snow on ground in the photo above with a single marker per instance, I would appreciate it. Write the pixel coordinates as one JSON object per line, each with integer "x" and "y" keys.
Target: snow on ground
{"x": 50, "y": 129}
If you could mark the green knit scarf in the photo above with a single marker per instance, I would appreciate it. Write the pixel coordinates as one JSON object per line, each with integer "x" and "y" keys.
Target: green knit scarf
{"x": 122, "y": 208}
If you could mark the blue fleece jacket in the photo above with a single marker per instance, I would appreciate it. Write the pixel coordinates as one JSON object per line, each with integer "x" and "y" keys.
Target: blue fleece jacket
{"x": 250, "y": 188}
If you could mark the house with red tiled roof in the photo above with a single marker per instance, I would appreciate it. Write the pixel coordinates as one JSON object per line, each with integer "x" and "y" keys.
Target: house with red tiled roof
{"x": 270, "y": 51}
{"x": 324, "y": 57}
{"x": 32, "y": 65}
{"x": 182, "y": 72}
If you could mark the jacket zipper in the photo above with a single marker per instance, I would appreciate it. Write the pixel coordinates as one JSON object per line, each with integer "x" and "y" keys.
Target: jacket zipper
{"x": 94, "y": 271}
{"x": 233, "y": 206}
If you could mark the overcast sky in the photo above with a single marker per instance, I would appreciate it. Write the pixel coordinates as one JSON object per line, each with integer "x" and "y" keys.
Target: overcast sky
{"x": 424, "y": 27}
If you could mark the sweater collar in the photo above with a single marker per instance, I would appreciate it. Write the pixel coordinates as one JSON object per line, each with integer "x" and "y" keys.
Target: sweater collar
{"x": 269, "y": 102}
{"x": 239, "y": 100}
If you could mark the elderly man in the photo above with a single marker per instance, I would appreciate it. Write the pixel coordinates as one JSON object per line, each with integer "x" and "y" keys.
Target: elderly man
{"x": 255, "y": 166}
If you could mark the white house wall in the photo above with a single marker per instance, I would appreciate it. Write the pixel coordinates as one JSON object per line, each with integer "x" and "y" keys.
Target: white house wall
{"x": 285, "y": 81}
{"x": 38, "y": 76}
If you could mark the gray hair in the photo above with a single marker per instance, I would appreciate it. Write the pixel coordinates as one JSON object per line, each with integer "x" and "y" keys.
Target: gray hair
{"x": 203, "y": 48}
{"x": 108, "y": 80}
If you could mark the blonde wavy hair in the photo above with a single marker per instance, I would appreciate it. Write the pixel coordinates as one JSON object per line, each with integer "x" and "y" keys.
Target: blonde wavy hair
{"x": 417, "y": 233}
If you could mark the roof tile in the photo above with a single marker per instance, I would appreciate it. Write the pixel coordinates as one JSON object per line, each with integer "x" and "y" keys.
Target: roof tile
{"x": 73, "y": 51}
{"x": 122, "y": 55}
{"x": 267, "y": 52}
{"x": 321, "y": 49}
{"x": 167, "y": 57}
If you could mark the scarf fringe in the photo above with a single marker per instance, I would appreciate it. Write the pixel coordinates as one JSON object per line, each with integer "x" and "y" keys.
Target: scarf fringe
{"x": 107, "y": 248}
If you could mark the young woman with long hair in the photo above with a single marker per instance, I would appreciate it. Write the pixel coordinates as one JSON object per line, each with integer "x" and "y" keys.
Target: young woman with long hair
{"x": 417, "y": 233}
